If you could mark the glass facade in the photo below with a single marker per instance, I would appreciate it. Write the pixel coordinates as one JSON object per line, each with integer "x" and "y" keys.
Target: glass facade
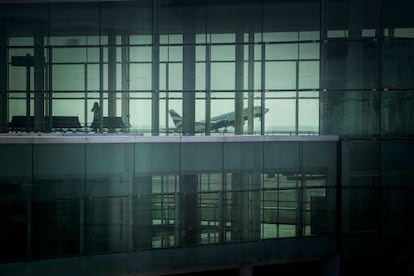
{"x": 82, "y": 81}
{"x": 81, "y": 198}
{"x": 276, "y": 68}
{"x": 141, "y": 59}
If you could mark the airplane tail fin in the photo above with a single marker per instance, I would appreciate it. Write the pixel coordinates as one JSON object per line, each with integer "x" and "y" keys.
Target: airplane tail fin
{"x": 177, "y": 119}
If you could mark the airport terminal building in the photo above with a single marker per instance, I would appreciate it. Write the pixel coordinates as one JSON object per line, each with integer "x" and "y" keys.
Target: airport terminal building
{"x": 235, "y": 137}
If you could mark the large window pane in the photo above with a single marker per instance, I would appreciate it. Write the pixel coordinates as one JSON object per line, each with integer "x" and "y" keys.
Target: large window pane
{"x": 281, "y": 75}
{"x": 281, "y": 51}
{"x": 68, "y": 77}
{"x": 308, "y": 116}
{"x": 281, "y": 117}
{"x": 223, "y": 76}
{"x": 308, "y": 75}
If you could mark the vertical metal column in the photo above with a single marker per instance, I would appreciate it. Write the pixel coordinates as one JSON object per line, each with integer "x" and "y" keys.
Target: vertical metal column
{"x": 125, "y": 79}
{"x": 85, "y": 94}
{"x": 208, "y": 85}
{"x": 300, "y": 190}
{"x": 263, "y": 90}
{"x": 189, "y": 183}
{"x": 49, "y": 75}
{"x": 297, "y": 94}
{"x": 39, "y": 80}
{"x": 189, "y": 82}
{"x": 256, "y": 204}
{"x": 3, "y": 78}
{"x": 177, "y": 220}
{"x": 238, "y": 108}
{"x": 378, "y": 107}
{"x": 323, "y": 97}
{"x": 101, "y": 86}
{"x": 250, "y": 85}
{"x": 222, "y": 207}
{"x": 155, "y": 104}
{"x": 240, "y": 210}
{"x": 167, "y": 88}
{"x": 28, "y": 119}
{"x": 189, "y": 218}
{"x": 111, "y": 74}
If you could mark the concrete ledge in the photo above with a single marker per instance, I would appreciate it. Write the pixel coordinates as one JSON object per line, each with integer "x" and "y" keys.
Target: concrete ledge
{"x": 118, "y": 138}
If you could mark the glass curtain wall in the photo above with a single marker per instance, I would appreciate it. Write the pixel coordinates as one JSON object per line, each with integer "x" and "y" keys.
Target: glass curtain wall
{"x": 366, "y": 68}
{"x": 74, "y": 62}
{"x": 162, "y": 67}
{"x": 76, "y": 198}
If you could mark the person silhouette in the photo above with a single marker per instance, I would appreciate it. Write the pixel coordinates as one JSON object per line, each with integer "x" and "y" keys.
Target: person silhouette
{"x": 96, "y": 109}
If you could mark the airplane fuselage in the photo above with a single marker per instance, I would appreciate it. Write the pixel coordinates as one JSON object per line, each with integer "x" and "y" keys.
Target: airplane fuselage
{"x": 218, "y": 122}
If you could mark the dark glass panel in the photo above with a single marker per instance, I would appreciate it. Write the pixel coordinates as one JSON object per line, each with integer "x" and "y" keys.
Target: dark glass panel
{"x": 398, "y": 64}
{"x": 288, "y": 17}
{"x": 13, "y": 232}
{"x": 397, "y": 113}
{"x": 74, "y": 21}
{"x": 127, "y": 17}
{"x": 109, "y": 169}
{"x": 350, "y": 65}
{"x": 55, "y": 228}
{"x": 58, "y": 170}
{"x": 398, "y": 14}
{"x": 354, "y": 18}
{"x": 350, "y": 113}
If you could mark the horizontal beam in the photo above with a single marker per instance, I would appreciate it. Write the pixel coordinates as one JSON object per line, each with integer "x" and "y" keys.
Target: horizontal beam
{"x": 44, "y": 138}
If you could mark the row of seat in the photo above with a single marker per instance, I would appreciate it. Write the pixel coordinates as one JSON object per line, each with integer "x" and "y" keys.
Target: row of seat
{"x": 26, "y": 123}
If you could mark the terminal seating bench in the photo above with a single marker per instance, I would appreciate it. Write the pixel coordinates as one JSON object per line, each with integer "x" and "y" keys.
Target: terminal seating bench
{"x": 22, "y": 123}
{"x": 110, "y": 123}
{"x": 65, "y": 123}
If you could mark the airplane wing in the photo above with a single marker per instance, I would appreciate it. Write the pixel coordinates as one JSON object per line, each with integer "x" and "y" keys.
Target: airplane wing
{"x": 215, "y": 125}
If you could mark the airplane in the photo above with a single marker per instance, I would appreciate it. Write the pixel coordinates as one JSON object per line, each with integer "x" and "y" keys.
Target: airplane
{"x": 221, "y": 121}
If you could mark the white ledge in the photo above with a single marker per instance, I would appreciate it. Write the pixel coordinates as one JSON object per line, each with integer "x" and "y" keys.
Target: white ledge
{"x": 99, "y": 139}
